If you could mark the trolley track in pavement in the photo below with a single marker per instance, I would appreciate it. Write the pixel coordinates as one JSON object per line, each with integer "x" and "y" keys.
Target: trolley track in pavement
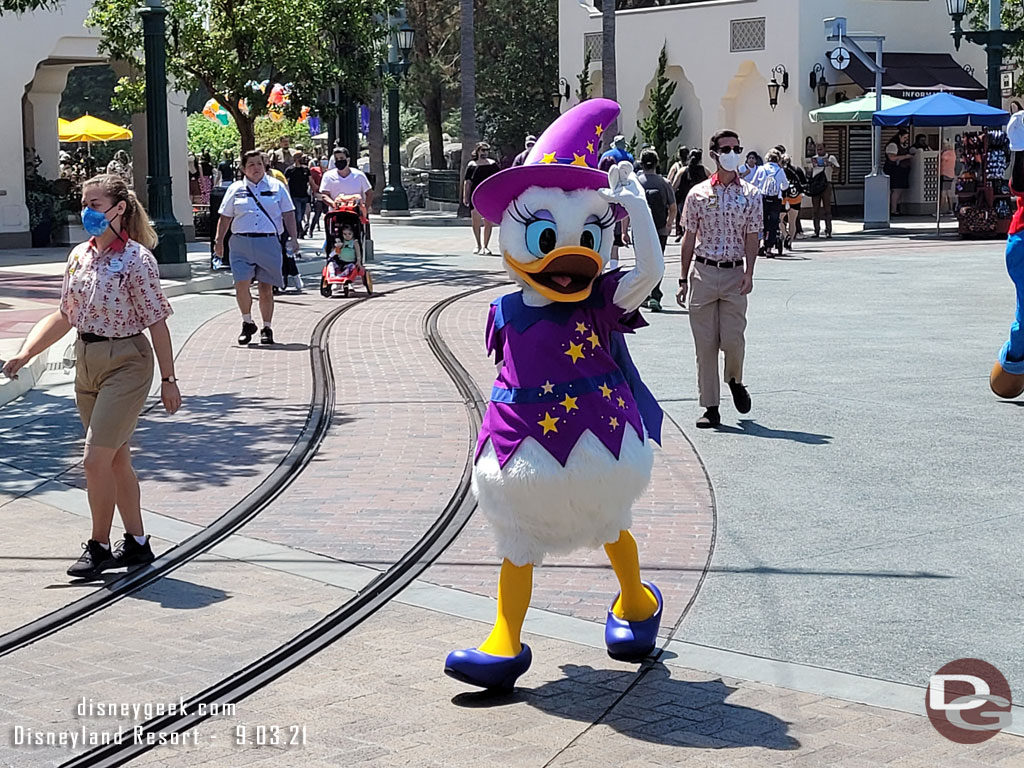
{"x": 364, "y": 604}
{"x": 248, "y": 507}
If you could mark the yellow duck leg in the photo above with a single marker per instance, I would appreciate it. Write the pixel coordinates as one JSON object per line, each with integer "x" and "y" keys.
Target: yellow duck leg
{"x": 515, "y": 586}
{"x": 636, "y": 602}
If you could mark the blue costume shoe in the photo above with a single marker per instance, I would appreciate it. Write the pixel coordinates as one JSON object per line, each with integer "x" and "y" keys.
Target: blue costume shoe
{"x": 475, "y": 667}
{"x": 632, "y": 640}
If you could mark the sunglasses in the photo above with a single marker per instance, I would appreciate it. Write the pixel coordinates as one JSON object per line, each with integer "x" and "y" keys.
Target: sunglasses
{"x": 727, "y": 150}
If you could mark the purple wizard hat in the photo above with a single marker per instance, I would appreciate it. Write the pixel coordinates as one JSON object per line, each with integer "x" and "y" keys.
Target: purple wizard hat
{"x": 565, "y": 156}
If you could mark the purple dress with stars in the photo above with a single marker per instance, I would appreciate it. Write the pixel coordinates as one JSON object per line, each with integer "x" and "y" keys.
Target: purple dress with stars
{"x": 565, "y": 369}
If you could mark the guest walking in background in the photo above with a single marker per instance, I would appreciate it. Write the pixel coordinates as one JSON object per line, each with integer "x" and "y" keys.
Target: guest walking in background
{"x": 481, "y": 167}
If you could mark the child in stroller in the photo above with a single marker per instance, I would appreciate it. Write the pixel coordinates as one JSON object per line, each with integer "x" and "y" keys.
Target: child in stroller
{"x": 344, "y": 249}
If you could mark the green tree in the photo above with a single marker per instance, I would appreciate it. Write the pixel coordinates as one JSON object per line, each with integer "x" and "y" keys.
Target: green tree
{"x": 517, "y": 69}
{"x": 203, "y": 134}
{"x": 24, "y": 6}
{"x": 432, "y": 80}
{"x": 583, "y": 78}
{"x": 89, "y": 90}
{"x": 225, "y": 44}
{"x": 1012, "y": 17}
{"x": 662, "y": 122}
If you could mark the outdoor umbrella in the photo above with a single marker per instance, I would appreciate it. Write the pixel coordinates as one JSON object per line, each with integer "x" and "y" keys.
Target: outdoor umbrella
{"x": 89, "y": 128}
{"x": 857, "y": 110}
{"x": 937, "y": 111}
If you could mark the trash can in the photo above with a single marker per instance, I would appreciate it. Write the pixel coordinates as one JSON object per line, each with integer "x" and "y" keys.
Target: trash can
{"x": 216, "y": 198}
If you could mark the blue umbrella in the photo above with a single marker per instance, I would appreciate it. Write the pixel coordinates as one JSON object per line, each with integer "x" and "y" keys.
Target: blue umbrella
{"x": 941, "y": 109}
{"x": 937, "y": 111}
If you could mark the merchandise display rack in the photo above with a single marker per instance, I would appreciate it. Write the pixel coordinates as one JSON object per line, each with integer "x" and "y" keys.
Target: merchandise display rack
{"x": 984, "y": 205}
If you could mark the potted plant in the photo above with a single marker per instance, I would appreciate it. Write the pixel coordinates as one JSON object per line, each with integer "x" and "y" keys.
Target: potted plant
{"x": 40, "y": 197}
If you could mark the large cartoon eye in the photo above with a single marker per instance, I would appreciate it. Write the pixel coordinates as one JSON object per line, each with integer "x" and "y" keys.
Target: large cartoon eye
{"x": 591, "y": 237}
{"x": 541, "y": 237}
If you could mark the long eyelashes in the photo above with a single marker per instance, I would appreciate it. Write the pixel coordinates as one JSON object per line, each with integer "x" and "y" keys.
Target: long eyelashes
{"x": 525, "y": 216}
{"x": 519, "y": 215}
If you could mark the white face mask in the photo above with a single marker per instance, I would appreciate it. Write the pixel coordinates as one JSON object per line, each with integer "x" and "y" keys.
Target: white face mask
{"x": 729, "y": 161}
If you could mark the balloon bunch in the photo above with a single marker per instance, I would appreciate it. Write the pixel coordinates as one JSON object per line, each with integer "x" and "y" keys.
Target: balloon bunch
{"x": 214, "y": 112}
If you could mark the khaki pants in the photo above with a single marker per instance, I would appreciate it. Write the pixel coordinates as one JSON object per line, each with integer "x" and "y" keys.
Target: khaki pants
{"x": 718, "y": 318}
{"x": 112, "y": 381}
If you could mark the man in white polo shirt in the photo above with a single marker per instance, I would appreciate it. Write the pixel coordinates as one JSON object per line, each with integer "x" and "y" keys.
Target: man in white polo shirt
{"x": 257, "y": 208}
{"x": 343, "y": 179}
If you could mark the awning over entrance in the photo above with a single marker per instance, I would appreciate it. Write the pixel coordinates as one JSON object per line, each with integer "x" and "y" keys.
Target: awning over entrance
{"x": 914, "y": 75}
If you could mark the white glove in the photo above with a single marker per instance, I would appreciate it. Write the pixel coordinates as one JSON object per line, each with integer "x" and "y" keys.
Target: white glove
{"x": 624, "y": 188}
{"x": 1015, "y": 131}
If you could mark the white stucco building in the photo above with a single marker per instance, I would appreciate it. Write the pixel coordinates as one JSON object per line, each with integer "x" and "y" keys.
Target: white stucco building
{"x": 721, "y": 54}
{"x": 39, "y": 50}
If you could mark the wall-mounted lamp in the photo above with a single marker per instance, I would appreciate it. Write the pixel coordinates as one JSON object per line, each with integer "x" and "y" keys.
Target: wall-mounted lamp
{"x": 780, "y": 79}
{"x": 820, "y": 84}
{"x": 561, "y": 93}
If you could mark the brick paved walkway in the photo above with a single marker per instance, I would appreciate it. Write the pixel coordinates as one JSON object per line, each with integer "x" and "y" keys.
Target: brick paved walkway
{"x": 673, "y": 521}
{"x": 378, "y": 699}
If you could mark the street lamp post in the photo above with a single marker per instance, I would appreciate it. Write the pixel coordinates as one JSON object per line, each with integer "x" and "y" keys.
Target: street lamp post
{"x": 170, "y": 251}
{"x": 995, "y": 39}
{"x": 394, "y": 200}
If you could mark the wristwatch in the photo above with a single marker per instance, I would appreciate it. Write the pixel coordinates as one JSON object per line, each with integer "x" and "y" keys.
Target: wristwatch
{"x": 170, "y": 379}
{"x": 682, "y": 281}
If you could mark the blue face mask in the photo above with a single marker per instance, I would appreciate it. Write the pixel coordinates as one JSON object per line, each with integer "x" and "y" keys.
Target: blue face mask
{"x": 95, "y": 222}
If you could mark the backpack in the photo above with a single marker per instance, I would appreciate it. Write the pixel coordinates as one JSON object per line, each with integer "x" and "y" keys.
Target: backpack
{"x": 656, "y": 201}
{"x": 818, "y": 183}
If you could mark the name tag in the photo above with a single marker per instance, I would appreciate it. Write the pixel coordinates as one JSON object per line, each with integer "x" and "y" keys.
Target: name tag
{"x": 115, "y": 266}
{"x": 266, "y": 194}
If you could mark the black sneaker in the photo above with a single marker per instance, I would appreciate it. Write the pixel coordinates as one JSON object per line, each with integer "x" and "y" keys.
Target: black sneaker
{"x": 248, "y": 329}
{"x": 94, "y": 560}
{"x": 740, "y": 396}
{"x": 129, "y": 552}
{"x": 711, "y": 418}
{"x": 266, "y": 336}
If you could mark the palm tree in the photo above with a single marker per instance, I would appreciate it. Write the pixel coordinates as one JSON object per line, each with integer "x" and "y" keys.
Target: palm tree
{"x": 468, "y": 79}
{"x": 608, "y": 89}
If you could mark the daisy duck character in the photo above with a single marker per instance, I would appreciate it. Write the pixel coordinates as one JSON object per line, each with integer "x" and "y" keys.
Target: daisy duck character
{"x": 565, "y": 446}
{"x": 1007, "y": 377}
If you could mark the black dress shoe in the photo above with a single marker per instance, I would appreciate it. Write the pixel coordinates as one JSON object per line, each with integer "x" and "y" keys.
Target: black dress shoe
{"x": 266, "y": 336}
{"x": 740, "y": 396}
{"x": 94, "y": 560}
{"x": 248, "y": 329}
{"x": 711, "y": 418}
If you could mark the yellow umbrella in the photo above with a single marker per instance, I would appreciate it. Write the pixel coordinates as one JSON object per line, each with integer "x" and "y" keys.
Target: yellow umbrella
{"x": 89, "y": 128}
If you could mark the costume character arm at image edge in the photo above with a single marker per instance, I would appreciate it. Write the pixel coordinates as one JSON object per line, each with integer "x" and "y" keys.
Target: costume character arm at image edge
{"x": 636, "y": 285}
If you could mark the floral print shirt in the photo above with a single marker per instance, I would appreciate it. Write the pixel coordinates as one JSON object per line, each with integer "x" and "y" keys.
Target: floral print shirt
{"x": 114, "y": 293}
{"x": 723, "y": 215}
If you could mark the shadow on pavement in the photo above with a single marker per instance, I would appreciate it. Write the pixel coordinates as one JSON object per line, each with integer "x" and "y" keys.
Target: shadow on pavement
{"x": 180, "y": 595}
{"x": 213, "y": 440}
{"x": 661, "y": 710}
{"x": 753, "y": 429}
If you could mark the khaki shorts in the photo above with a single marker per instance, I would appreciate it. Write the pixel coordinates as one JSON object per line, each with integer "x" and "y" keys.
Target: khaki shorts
{"x": 112, "y": 381}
